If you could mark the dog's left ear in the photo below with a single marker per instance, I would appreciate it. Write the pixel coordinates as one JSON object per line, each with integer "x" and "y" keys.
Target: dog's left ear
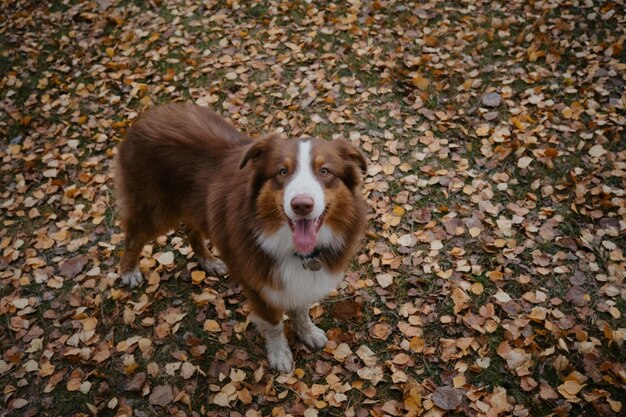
{"x": 349, "y": 152}
{"x": 354, "y": 161}
{"x": 258, "y": 148}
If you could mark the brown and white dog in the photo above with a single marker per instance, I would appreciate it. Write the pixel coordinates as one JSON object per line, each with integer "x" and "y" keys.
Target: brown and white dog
{"x": 285, "y": 214}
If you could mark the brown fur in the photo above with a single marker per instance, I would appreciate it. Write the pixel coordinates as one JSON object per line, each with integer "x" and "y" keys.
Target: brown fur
{"x": 182, "y": 161}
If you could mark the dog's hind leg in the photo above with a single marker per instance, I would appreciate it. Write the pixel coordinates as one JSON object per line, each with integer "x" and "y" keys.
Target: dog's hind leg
{"x": 129, "y": 267}
{"x": 139, "y": 228}
{"x": 209, "y": 263}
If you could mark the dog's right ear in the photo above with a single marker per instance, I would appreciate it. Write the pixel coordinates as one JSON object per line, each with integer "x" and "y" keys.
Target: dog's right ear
{"x": 258, "y": 148}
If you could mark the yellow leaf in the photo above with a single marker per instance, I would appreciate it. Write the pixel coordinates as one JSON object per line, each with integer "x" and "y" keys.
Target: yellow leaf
{"x": 197, "y": 277}
{"x": 420, "y": 82}
{"x": 495, "y": 276}
{"x": 474, "y": 231}
{"x": 73, "y": 384}
{"x": 517, "y": 123}
{"x": 459, "y": 381}
{"x": 417, "y": 344}
{"x": 477, "y": 288}
{"x": 567, "y": 112}
{"x": 482, "y": 130}
{"x": 569, "y": 389}
{"x": 131, "y": 368}
{"x": 212, "y": 326}
{"x": 398, "y": 210}
{"x": 46, "y": 369}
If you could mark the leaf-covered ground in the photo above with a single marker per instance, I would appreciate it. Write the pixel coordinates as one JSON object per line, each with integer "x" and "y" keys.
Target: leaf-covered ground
{"x": 491, "y": 279}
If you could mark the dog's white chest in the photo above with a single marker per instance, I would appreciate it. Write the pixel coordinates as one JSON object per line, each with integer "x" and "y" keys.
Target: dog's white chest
{"x": 300, "y": 287}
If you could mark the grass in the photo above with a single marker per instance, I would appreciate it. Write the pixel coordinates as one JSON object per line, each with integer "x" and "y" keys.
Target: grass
{"x": 374, "y": 49}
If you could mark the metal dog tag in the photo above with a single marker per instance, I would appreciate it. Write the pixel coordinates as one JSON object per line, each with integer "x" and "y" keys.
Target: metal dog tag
{"x": 312, "y": 264}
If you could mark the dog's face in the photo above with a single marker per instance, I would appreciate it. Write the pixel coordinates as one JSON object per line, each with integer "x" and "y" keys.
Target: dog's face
{"x": 305, "y": 183}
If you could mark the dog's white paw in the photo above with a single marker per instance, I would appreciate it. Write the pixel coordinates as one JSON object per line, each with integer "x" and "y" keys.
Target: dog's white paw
{"x": 313, "y": 337}
{"x": 213, "y": 267}
{"x": 132, "y": 278}
{"x": 280, "y": 358}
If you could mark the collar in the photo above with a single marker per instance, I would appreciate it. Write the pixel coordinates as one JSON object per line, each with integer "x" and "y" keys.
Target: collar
{"x": 316, "y": 253}
{"x": 311, "y": 261}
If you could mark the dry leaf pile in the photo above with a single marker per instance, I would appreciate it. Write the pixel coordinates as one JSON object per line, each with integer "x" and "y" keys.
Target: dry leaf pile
{"x": 491, "y": 279}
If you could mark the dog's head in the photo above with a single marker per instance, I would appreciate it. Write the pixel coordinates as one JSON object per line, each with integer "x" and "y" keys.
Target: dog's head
{"x": 305, "y": 183}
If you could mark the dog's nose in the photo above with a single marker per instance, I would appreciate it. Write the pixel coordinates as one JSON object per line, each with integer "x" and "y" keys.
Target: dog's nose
{"x": 302, "y": 205}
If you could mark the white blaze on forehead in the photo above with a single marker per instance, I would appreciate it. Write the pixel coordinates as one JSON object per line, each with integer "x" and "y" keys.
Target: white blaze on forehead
{"x": 304, "y": 182}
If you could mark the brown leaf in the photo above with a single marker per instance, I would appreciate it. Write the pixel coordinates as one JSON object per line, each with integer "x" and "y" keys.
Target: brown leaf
{"x": 137, "y": 382}
{"x": 547, "y": 393}
{"x": 447, "y": 398}
{"x": 528, "y": 383}
{"x": 577, "y": 296}
{"x": 18, "y": 403}
{"x": 421, "y": 215}
{"x": 569, "y": 389}
{"x": 53, "y": 381}
{"x": 73, "y": 266}
{"x": 460, "y": 299}
{"x": 384, "y": 280}
{"x": 161, "y": 395}
{"x": 76, "y": 378}
{"x": 380, "y": 331}
{"x": 102, "y": 352}
{"x": 345, "y": 310}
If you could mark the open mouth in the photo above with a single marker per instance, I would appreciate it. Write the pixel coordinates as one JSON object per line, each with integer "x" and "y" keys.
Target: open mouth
{"x": 304, "y": 233}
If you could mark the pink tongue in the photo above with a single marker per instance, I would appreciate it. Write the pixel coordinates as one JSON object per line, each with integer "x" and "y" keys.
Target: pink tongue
{"x": 304, "y": 236}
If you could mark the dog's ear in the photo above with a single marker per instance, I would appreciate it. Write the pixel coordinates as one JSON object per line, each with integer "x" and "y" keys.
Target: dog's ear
{"x": 351, "y": 153}
{"x": 257, "y": 149}
{"x": 354, "y": 161}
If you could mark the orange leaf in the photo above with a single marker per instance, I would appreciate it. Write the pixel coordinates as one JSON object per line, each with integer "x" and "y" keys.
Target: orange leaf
{"x": 420, "y": 82}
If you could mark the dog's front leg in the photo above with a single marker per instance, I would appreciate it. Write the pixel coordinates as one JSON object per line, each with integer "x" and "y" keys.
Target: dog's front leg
{"x": 279, "y": 354}
{"x": 308, "y": 333}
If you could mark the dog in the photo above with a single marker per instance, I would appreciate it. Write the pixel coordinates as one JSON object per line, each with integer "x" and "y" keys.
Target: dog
{"x": 286, "y": 215}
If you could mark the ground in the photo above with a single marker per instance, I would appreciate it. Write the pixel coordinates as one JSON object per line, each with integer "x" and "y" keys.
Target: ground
{"x": 491, "y": 278}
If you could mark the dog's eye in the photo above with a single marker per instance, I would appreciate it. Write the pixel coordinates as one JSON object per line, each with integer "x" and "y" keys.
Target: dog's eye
{"x": 283, "y": 171}
{"x": 324, "y": 171}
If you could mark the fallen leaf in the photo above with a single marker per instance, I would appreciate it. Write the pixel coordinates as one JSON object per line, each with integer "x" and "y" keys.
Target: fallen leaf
{"x": 73, "y": 266}
{"x": 569, "y": 389}
{"x": 212, "y": 326}
{"x": 380, "y": 331}
{"x": 166, "y": 258}
{"x": 524, "y": 162}
{"x": 18, "y": 403}
{"x": 447, "y": 398}
{"x": 597, "y": 151}
{"x": 345, "y": 310}
{"x": 136, "y": 384}
{"x": 491, "y": 99}
{"x": 420, "y": 82}
{"x": 482, "y": 130}
{"x": 384, "y": 280}
{"x": 161, "y": 395}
